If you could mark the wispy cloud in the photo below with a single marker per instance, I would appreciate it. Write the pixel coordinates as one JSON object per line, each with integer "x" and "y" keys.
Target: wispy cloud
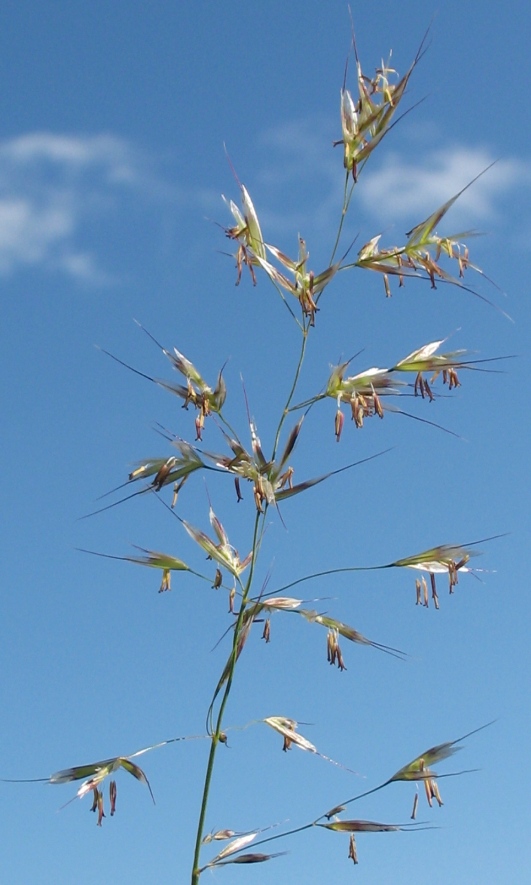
{"x": 395, "y": 191}
{"x": 52, "y": 185}
{"x": 301, "y": 171}
{"x": 58, "y": 192}
{"x": 401, "y": 189}
{"x": 76, "y": 151}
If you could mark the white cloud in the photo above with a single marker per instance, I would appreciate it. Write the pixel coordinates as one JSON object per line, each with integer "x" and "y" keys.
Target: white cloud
{"x": 73, "y": 150}
{"x": 58, "y": 191}
{"x": 302, "y": 172}
{"x": 27, "y": 232}
{"x": 302, "y": 178}
{"x": 401, "y": 189}
{"x": 303, "y": 148}
{"x": 50, "y": 186}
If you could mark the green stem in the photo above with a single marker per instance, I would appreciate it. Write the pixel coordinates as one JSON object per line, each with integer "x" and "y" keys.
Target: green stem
{"x": 315, "y": 823}
{"x": 347, "y": 196}
{"x": 291, "y": 394}
{"x": 196, "y": 872}
{"x": 330, "y": 571}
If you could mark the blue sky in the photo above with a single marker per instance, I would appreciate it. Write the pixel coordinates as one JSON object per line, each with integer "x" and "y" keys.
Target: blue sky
{"x": 116, "y": 124}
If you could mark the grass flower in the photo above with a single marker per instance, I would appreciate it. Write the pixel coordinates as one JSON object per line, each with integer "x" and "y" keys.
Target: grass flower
{"x": 421, "y": 252}
{"x": 255, "y": 857}
{"x": 223, "y": 552}
{"x": 167, "y": 470}
{"x": 196, "y": 391}
{"x": 167, "y": 564}
{"x": 362, "y": 826}
{"x": 447, "y": 559}
{"x": 287, "y": 728}
{"x": 247, "y": 234}
{"x": 367, "y": 392}
{"x": 272, "y": 479}
{"x": 95, "y": 773}
{"x": 304, "y": 284}
{"x": 366, "y": 121}
{"x": 334, "y": 627}
{"x": 235, "y": 845}
{"x": 338, "y": 628}
{"x": 151, "y": 558}
{"x": 361, "y": 392}
{"x": 426, "y": 359}
{"x": 419, "y": 769}
{"x": 164, "y": 471}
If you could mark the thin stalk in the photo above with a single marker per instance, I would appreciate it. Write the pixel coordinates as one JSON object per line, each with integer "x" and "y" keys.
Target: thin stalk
{"x": 285, "y": 300}
{"x": 305, "y": 330}
{"x": 330, "y": 571}
{"x": 196, "y": 872}
{"x": 347, "y": 196}
{"x": 189, "y": 571}
{"x": 227, "y": 425}
{"x": 316, "y": 822}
